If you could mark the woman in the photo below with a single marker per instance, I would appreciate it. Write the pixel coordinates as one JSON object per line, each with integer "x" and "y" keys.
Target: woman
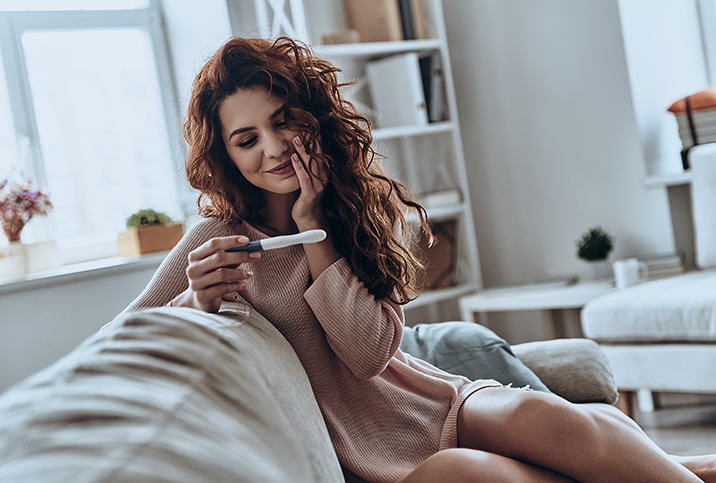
{"x": 274, "y": 149}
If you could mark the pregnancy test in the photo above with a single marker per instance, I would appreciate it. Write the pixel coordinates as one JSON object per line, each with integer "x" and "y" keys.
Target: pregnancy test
{"x": 309, "y": 236}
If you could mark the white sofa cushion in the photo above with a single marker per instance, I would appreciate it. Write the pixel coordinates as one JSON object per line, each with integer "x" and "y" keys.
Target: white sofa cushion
{"x": 679, "y": 308}
{"x": 169, "y": 394}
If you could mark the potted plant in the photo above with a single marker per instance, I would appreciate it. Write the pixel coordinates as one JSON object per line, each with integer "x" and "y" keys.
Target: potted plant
{"x": 149, "y": 231}
{"x": 594, "y": 247}
{"x": 20, "y": 201}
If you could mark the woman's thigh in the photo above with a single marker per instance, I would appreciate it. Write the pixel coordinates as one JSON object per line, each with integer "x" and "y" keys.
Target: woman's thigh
{"x": 527, "y": 425}
{"x": 462, "y": 465}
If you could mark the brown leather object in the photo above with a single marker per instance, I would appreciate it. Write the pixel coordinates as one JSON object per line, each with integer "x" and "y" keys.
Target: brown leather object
{"x": 705, "y": 99}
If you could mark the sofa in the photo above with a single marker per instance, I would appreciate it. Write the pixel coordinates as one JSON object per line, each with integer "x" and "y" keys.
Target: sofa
{"x": 179, "y": 395}
{"x": 659, "y": 336}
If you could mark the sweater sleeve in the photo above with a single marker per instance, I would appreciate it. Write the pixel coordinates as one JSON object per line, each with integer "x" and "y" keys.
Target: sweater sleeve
{"x": 170, "y": 278}
{"x": 362, "y": 331}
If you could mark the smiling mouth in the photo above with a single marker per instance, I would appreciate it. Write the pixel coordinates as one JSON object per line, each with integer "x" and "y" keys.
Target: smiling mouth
{"x": 280, "y": 168}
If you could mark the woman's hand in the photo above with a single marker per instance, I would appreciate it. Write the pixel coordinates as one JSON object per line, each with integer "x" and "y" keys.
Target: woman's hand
{"x": 213, "y": 273}
{"x": 311, "y": 174}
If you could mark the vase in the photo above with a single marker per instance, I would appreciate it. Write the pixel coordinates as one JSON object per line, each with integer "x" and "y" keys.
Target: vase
{"x": 12, "y": 261}
{"x": 18, "y": 259}
{"x": 600, "y": 270}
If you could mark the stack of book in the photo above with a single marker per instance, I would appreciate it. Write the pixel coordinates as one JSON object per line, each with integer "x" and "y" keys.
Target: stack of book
{"x": 663, "y": 264}
{"x": 696, "y": 118}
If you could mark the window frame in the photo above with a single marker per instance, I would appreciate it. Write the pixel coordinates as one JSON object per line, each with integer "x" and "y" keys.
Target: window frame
{"x": 13, "y": 24}
{"x": 707, "y": 18}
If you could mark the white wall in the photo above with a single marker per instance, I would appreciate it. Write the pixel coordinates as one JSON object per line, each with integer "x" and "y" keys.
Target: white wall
{"x": 550, "y": 135}
{"x": 40, "y": 325}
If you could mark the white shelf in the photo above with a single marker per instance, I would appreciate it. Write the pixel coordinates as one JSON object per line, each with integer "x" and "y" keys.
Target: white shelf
{"x": 432, "y": 296}
{"x": 371, "y": 49}
{"x": 669, "y": 179}
{"x": 382, "y": 134}
{"x": 444, "y": 212}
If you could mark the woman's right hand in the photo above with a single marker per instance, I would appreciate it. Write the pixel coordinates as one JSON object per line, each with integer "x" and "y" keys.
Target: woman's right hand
{"x": 213, "y": 272}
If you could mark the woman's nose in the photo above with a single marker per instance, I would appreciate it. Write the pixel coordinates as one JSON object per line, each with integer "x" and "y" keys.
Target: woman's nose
{"x": 275, "y": 145}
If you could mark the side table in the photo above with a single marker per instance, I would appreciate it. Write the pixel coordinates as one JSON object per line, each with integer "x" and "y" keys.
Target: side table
{"x": 553, "y": 300}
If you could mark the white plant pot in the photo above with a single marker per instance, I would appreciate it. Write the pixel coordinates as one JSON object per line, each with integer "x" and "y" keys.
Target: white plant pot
{"x": 12, "y": 261}
{"x": 600, "y": 270}
{"x": 18, "y": 259}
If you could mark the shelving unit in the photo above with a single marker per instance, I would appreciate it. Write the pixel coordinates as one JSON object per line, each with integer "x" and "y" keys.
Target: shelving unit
{"x": 426, "y": 157}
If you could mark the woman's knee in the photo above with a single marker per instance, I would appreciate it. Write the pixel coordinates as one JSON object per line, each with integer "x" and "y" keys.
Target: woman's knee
{"x": 505, "y": 419}
{"x": 459, "y": 465}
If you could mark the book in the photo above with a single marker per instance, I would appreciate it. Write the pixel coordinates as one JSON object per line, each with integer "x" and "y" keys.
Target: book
{"x": 431, "y": 73}
{"x": 375, "y": 20}
{"x": 420, "y": 19}
{"x": 397, "y": 91}
{"x": 663, "y": 260}
{"x": 664, "y": 272}
{"x": 406, "y": 19}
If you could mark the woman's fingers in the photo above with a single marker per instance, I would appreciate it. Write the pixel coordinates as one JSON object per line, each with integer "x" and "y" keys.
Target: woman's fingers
{"x": 216, "y": 244}
{"x": 311, "y": 165}
{"x": 213, "y": 272}
{"x": 218, "y": 277}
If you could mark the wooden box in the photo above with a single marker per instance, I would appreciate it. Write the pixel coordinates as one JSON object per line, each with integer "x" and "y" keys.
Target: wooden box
{"x": 150, "y": 239}
{"x": 441, "y": 271}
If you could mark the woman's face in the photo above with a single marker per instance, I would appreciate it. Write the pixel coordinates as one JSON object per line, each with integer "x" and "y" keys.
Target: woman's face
{"x": 258, "y": 140}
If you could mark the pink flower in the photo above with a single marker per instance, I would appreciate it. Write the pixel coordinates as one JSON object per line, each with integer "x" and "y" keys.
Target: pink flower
{"x": 19, "y": 202}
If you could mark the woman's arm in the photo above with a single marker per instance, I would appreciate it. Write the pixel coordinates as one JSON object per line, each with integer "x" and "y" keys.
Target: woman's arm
{"x": 362, "y": 331}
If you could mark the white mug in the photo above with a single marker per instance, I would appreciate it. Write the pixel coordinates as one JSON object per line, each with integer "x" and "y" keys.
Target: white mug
{"x": 629, "y": 272}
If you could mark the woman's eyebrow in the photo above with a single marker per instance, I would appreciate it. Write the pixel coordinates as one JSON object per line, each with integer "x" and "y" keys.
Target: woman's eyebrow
{"x": 249, "y": 128}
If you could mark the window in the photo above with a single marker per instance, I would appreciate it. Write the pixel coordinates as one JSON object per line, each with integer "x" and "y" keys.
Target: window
{"x": 86, "y": 108}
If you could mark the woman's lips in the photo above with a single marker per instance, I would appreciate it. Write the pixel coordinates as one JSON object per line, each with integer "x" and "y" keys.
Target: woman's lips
{"x": 284, "y": 168}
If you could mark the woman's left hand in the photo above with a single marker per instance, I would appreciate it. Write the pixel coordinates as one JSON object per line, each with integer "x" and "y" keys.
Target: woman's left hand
{"x": 311, "y": 174}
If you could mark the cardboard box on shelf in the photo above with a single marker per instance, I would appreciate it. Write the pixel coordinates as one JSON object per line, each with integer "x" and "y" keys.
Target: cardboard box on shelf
{"x": 375, "y": 20}
{"x": 441, "y": 270}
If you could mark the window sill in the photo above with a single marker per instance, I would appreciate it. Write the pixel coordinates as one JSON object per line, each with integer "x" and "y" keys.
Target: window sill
{"x": 81, "y": 271}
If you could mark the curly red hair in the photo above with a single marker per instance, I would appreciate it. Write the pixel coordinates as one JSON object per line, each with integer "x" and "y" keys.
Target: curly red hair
{"x": 362, "y": 204}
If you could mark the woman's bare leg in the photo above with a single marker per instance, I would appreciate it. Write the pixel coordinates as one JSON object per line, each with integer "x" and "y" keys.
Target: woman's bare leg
{"x": 702, "y": 466}
{"x": 464, "y": 465}
{"x": 587, "y": 442}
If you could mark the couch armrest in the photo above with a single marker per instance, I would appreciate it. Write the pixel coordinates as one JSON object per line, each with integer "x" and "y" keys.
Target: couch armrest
{"x": 575, "y": 369}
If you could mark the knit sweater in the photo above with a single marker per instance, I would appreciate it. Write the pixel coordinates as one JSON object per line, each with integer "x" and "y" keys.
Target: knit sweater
{"x": 386, "y": 411}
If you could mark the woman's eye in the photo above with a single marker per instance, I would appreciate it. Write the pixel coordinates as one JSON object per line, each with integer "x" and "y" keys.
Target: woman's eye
{"x": 248, "y": 142}
{"x": 281, "y": 124}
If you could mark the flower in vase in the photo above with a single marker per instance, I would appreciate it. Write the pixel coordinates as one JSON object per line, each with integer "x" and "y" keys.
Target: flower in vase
{"x": 19, "y": 202}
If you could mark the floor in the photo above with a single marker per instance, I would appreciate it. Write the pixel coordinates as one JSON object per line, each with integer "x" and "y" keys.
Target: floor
{"x": 683, "y": 425}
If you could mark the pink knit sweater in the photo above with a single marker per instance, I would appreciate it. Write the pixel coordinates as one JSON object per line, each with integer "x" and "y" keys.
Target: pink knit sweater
{"x": 386, "y": 411}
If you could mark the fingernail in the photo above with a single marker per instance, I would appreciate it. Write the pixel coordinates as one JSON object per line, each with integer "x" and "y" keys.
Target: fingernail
{"x": 297, "y": 141}
{"x": 294, "y": 157}
{"x": 255, "y": 255}
{"x": 243, "y": 239}
{"x": 249, "y": 273}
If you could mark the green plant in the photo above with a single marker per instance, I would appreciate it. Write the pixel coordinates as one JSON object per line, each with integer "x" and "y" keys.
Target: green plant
{"x": 595, "y": 245}
{"x": 148, "y": 217}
